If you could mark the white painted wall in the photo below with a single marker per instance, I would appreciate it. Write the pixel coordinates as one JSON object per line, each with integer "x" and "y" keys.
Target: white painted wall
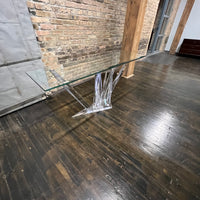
{"x": 192, "y": 27}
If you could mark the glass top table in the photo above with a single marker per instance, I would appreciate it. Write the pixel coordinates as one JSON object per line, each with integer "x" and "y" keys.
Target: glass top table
{"x": 105, "y": 82}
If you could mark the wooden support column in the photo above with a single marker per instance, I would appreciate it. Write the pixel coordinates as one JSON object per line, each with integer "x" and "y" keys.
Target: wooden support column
{"x": 181, "y": 26}
{"x": 132, "y": 32}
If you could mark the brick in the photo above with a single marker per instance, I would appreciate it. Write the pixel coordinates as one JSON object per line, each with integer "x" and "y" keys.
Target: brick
{"x": 62, "y": 27}
{"x": 39, "y": 19}
{"x": 30, "y": 4}
{"x": 52, "y": 2}
{"x": 39, "y": 33}
{"x": 47, "y": 26}
{"x": 44, "y": 14}
{"x": 63, "y": 16}
{"x": 57, "y": 21}
{"x": 42, "y": 6}
{"x": 48, "y": 38}
{"x": 44, "y": 1}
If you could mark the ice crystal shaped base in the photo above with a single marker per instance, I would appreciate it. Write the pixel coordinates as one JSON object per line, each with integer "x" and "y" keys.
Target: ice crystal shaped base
{"x": 104, "y": 86}
{"x": 103, "y": 92}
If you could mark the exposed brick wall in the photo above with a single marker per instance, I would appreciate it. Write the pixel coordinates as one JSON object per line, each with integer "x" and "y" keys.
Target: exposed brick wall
{"x": 149, "y": 18}
{"x": 77, "y": 36}
{"x": 80, "y": 35}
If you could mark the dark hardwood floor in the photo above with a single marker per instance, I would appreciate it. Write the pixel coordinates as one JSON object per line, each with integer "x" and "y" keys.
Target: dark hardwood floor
{"x": 146, "y": 147}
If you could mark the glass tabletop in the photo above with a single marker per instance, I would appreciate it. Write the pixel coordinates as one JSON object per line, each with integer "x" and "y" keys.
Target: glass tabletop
{"x": 47, "y": 81}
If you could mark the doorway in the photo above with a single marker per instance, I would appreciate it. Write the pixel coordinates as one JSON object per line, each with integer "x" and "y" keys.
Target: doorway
{"x": 162, "y": 16}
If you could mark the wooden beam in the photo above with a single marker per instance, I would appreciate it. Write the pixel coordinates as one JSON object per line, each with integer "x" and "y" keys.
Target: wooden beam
{"x": 181, "y": 26}
{"x": 132, "y": 32}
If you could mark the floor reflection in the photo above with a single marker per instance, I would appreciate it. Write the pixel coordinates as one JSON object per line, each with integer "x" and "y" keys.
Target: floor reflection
{"x": 157, "y": 131}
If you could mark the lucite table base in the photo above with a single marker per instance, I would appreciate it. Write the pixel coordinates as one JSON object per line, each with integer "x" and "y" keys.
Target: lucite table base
{"x": 104, "y": 86}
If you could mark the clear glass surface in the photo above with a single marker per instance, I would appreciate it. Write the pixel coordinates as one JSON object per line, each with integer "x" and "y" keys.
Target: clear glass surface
{"x": 47, "y": 82}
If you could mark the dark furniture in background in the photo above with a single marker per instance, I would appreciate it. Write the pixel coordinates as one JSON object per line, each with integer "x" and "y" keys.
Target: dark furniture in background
{"x": 190, "y": 47}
